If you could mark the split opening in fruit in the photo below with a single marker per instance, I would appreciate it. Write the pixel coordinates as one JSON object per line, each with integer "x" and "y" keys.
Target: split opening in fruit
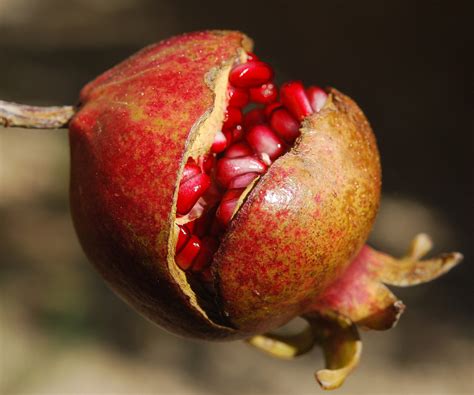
{"x": 261, "y": 123}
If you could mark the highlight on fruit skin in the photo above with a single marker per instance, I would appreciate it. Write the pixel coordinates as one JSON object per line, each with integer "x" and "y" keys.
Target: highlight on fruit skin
{"x": 221, "y": 206}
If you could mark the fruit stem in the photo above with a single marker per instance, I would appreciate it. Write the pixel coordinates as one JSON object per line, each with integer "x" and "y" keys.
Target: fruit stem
{"x": 24, "y": 116}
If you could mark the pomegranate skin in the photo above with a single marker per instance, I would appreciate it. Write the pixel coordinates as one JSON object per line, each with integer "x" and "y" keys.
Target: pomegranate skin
{"x": 304, "y": 221}
{"x": 127, "y": 145}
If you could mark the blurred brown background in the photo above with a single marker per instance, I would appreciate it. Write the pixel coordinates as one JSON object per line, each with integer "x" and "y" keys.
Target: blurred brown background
{"x": 407, "y": 63}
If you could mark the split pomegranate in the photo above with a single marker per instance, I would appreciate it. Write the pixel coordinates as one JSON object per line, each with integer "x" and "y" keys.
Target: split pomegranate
{"x": 240, "y": 159}
{"x": 221, "y": 206}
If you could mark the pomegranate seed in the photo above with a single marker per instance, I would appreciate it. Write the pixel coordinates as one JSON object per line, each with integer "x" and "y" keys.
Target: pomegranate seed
{"x": 183, "y": 236}
{"x": 190, "y": 170}
{"x": 190, "y": 226}
{"x": 237, "y": 97}
{"x": 190, "y": 191}
{"x": 270, "y": 108}
{"x": 228, "y": 168}
{"x": 285, "y": 125}
{"x": 237, "y": 133}
{"x": 232, "y": 194}
{"x": 254, "y": 117}
{"x": 233, "y": 116}
{"x": 208, "y": 248}
{"x": 295, "y": 100}
{"x": 227, "y": 206}
{"x": 264, "y": 141}
{"x": 242, "y": 181}
{"x": 317, "y": 97}
{"x": 250, "y": 74}
{"x": 251, "y": 57}
{"x": 228, "y": 136}
{"x": 206, "y": 162}
{"x": 264, "y": 94}
{"x": 190, "y": 251}
{"x": 238, "y": 150}
{"x": 220, "y": 142}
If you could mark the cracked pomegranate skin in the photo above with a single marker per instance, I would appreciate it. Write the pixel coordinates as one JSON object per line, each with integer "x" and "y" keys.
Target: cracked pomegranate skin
{"x": 298, "y": 229}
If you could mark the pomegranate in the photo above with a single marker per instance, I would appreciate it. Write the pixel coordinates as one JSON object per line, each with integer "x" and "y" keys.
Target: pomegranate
{"x": 221, "y": 206}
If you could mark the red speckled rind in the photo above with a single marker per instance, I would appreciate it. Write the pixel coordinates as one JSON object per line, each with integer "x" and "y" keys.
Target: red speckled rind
{"x": 304, "y": 221}
{"x": 127, "y": 144}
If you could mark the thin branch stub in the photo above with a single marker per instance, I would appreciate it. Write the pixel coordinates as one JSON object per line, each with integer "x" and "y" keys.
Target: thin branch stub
{"x": 24, "y": 116}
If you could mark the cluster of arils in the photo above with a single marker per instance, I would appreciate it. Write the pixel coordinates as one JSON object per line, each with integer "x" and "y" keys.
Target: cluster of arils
{"x": 260, "y": 125}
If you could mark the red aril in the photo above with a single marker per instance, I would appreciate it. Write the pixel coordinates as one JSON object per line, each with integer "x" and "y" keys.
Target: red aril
{"x": 242, "y": 181}
{"x": 190, "y": 226}
{"x": 190, "y": 191}
{"x": 270, "y": 108}
{"x": 203, "y": 260}
{"x": 228, "y": 168}
{"x": 227, "y": 206}
{"x": 206, "y": 162}
{"x": 317, "y": 97}
{"x": 229, "y": 136}
{"x": 254, "y": 117}
{"x": 251, "y": 57}
{"x": 285, "y": 125}
{"x": 250, "y": 74}
{"x": 220, "y": 142}
{"x": 185, "y": 257}
{"x": 264, "y": 141}
{"x": 191, "y": 169}
{"x": 183, "y": 237}
{"x": 237, "y": 133}
{"x": 237, "y": 97}
{"x": 293, "y": 97}
{"x": 264, "y": 94}
{"x": 232, "y": 118}
{"x": 237, "y": 150}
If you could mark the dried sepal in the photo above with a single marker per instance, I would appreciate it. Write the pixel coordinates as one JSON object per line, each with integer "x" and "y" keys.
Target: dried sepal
{"x": 360, "y": 295}
{"x": 341, "y": 345}
{"x": 285, "y": 346}
{"x": 410, "y": 270}
{"x": 336, "y": 335}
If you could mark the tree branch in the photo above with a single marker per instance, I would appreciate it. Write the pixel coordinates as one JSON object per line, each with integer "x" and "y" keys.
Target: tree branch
{"x": 23, "y": 116}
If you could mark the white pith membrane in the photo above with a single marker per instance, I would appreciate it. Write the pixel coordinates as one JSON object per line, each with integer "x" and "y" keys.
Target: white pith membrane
{"x": 197, "y": 285}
